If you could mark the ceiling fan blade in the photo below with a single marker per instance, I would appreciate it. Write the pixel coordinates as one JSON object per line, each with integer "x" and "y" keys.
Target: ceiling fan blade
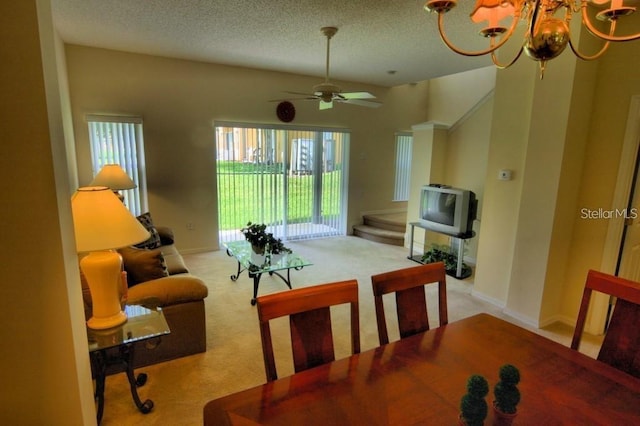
{"x": 293, "y": 99}
{"x": 301, "y": 93}
{"x": 361, "y": 102}
{"x": 326, "y": 105}
{"x": 357, "y": 95}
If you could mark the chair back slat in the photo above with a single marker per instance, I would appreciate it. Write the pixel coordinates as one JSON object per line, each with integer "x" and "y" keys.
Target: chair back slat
{"x": 309, "y": 322}
{"x": 621, "y": 345}
{"x": 409, "y": 286}
{"x": 413, "y": 317}
{"x": 311, "y": 338}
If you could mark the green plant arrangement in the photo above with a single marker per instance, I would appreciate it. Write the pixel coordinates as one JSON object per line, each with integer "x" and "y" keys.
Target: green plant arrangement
{"x": 443, "y": 253}
{"x": 507, "y": 395}
{"x": 263, "y": 242}
{"x": 473, "y": 407}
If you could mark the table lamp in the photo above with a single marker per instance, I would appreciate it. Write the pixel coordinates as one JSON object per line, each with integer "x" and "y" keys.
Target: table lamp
{"x": 114, "y": 177}
{"x": 102, "y": 224}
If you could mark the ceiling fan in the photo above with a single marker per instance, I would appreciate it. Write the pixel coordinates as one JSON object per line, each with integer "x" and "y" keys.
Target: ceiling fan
{"x": 328, "y": 93}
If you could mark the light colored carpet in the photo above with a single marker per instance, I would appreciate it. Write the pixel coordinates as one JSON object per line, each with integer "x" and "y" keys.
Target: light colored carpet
{"x": 233, "y": 361}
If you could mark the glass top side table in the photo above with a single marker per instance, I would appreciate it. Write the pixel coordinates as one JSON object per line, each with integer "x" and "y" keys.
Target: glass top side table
{"x": 142, "y": 324}
{"x": 242, "y": 252}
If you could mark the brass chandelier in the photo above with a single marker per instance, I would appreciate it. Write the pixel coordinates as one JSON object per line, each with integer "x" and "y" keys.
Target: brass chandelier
{"x": 547, "y": 21}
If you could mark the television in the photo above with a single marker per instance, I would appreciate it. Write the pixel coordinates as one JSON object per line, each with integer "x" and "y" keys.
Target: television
{"x": 447, "y": 210}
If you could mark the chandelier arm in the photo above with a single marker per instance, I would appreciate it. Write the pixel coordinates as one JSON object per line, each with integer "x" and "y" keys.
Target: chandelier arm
{"x": 591, "y": 57}
{"x": 498, "y": 65}
{"x": 534, "y": 18}
{"x": 491, "y": 49}
{"x": 607, "y": 37}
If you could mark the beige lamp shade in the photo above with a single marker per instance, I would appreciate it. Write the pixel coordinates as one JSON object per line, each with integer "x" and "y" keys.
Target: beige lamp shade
{"x": 102, "y": 222}
{"x": 114, "y": 177}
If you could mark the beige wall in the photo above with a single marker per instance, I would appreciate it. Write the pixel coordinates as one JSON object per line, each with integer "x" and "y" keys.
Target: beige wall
{"x": 467, "y": 159}
{"x": 565, "y": 150}
{"x": 453, "y": 96}
{"x": 617, "y": 80}
{"x": 180, "y": 100}
{"x": 44, "y": 359}
{"x": 528, "y": 136}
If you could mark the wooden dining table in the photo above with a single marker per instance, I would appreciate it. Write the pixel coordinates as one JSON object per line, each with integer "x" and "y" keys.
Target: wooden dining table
{"x": 420, "y": 380}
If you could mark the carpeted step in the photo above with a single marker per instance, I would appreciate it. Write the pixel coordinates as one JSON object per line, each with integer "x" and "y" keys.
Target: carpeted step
{"x": 391, "y": 221}
{"x": 379, "y": 235}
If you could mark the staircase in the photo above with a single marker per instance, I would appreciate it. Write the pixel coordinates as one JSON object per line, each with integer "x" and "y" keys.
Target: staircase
{"x": 386, "y": 228}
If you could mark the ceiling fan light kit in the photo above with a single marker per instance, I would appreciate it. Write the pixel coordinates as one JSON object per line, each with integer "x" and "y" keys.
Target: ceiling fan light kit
{"x": 327, "y": 93}
{"x": 547, "y": 26}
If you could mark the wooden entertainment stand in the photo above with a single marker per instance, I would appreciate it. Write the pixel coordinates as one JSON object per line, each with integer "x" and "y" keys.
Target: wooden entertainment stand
{"x": 460, "y": 237}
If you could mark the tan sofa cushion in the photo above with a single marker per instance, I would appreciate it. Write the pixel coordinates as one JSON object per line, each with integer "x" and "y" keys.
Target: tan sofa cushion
{"x": 167, "y": 291}
{"x": 173, "y": 260}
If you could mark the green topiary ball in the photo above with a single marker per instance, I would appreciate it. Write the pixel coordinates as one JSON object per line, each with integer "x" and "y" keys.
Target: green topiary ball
{"x": 506, "y": 392}
{"x": 473, "y": 407}
{"x": 509, "y": 374}
{"x": 477, "y": 386}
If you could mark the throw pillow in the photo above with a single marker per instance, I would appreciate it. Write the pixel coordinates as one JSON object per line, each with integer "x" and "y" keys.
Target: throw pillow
{"x": 143, "y": 264}
{"x": 154, "y": 240}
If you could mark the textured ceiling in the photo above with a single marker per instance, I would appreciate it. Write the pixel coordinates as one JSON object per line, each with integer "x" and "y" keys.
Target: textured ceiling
{"x": 375, "y": 37}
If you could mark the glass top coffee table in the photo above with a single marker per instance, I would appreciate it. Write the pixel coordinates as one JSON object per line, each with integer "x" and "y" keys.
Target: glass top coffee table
{"x": 242, "y": 252}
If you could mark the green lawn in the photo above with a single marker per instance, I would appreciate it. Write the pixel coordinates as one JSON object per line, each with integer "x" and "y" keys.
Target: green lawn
{"x": 255, "y": 192}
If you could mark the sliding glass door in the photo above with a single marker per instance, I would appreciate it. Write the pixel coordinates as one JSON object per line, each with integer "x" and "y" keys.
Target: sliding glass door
{"x": 292, "y": 179}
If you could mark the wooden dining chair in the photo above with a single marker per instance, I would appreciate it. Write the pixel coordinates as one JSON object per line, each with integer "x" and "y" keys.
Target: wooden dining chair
{"x": 621, "y": 345}
{"x": 409, "y": 286}
{"x": 309, "y": 314}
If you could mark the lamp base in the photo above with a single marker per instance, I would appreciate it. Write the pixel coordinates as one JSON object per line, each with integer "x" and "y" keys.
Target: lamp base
{"x": 107, "y": 322}
{"x": 102, "y": 270}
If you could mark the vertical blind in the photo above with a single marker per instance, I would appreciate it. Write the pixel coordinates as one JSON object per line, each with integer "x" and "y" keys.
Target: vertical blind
{"x": 404, "y": 144}
{"x": 293, "y": 180}
{"x": 119, "y": 140}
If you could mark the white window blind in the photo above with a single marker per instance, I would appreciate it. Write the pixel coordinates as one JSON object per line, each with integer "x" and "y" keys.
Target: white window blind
{"x": 119, "y": 140}
{"x": 404, "y": 144}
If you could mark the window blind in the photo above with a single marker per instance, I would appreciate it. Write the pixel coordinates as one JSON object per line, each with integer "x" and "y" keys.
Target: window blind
{"x": 119, "y": 140}
{"x": 404, "y": 144}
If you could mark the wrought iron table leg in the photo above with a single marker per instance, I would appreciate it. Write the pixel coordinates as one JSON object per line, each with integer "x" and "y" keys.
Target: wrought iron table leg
{"x": 100, "y": 364}
{"x": 126, "y": 352}
{"x": 240, "y": 269}
{"x": 287, "y": 280}
{"x": 256, "y": 284}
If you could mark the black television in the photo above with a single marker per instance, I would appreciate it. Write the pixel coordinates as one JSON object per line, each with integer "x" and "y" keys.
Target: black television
{"x": 447, "y": 210}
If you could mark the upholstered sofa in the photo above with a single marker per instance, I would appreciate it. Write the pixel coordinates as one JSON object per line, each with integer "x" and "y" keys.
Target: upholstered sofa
{"x": 159, "y": 277}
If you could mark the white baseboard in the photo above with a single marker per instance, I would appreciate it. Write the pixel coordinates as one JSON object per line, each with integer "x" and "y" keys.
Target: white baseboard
{"x": 558, "y": 318}
{"x": 495, "y": 302}
{"x": 502, "y": 305}
{"x": 522, "y": 318}
{"x": 199, "y": 250}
